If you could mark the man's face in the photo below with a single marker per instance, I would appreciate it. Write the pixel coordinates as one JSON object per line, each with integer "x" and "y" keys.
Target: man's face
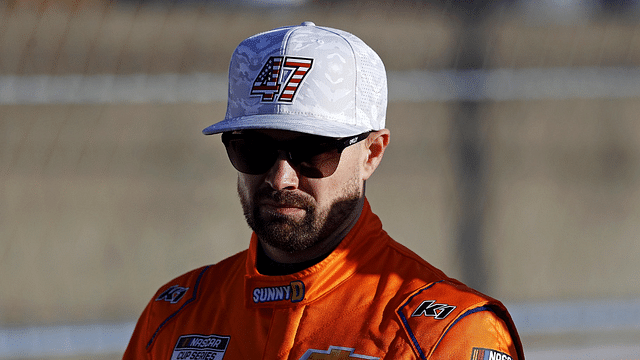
{"x": 291, "y": 212}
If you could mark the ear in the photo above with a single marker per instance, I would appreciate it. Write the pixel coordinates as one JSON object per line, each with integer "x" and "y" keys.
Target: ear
{"x": 375, "y": 144}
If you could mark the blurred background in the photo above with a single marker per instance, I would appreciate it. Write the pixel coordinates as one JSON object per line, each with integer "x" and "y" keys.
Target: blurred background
{"x": 514, "y": 162}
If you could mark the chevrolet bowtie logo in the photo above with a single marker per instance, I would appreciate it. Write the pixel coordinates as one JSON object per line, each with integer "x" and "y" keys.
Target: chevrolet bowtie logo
{"x": 334, "y": 353}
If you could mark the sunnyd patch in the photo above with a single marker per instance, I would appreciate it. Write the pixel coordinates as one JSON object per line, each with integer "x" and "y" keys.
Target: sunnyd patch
{"x": 334, "y": 352}
{"x": 293, "y": 292}
{"x": 200, "y": 347}
{"x": 488, "y": 354}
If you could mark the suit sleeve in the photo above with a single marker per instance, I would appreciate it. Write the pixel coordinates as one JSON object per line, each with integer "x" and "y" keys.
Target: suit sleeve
{"x": 447, "y": 320}
{"x": 476, "y": 336}
{"x": 137, "y": 347}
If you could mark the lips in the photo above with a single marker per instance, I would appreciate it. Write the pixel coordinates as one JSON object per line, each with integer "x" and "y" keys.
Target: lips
{"x": 277, "y": 214}
{"x": 282, "y": 208}
{"x": 283, "y": 204}
{"x": 281, "y": 200}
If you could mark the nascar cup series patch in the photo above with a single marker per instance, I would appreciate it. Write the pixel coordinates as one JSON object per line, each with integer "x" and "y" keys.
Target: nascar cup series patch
{"x": 488, "y": 354}
{"x": 200, "y": 347}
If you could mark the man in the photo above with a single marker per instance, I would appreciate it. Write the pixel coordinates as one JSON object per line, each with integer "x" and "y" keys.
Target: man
{"x": 321, "y": 279}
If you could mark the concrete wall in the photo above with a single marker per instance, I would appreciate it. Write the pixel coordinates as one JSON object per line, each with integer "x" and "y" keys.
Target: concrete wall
{"x": 102, "y": 204}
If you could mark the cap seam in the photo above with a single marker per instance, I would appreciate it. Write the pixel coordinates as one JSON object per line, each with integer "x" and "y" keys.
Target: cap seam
{"x": 285, "y": 47}
{"x": 355, "y": 63}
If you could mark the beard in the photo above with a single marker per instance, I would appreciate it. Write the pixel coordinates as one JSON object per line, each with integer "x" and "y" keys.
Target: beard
{"x": 290, "y": 235}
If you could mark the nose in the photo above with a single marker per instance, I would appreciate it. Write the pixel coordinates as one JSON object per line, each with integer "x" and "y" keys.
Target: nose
{"x": 282, "y": 176}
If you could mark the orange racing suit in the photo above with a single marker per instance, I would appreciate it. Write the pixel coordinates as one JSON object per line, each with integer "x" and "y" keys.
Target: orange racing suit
{"x": 371, "y": 298}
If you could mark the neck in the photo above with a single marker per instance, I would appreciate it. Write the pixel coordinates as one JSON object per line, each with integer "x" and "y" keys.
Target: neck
{"x": 321, "y": 249}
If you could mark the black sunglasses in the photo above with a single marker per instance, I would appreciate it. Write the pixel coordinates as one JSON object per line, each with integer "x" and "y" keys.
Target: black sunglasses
{"x": 313, "y": 156}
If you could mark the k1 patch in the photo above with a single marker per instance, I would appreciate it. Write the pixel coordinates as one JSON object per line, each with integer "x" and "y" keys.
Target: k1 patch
{"x": 430, "y": 308}
{"x": 173, "y": 294}
{"x": 200, "y": 347}
{"x": 488, "y": 354}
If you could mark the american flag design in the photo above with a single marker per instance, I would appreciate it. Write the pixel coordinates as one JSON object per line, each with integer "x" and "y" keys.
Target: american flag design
{"x": 269, "y": 82}
{"x": 300, "y": 68}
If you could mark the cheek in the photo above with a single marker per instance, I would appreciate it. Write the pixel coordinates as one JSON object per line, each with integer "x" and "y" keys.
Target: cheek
{"x": 246, "y": 186}
{"x": 350, "y": 169}
{"x": 346, "y": 181}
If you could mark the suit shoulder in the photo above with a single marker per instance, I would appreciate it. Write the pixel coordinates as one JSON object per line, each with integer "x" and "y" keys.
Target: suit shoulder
{"x": 428, "y": 313}
{"x": 183, "y": 292}
{"x": 440, "y": 300}
{"x": 413, "y": 264}
{"x": 181, "y": 287}
{"x": 190, "y": 284}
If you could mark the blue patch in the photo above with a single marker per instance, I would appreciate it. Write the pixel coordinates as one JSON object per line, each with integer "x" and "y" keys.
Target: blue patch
{"x": 293, "y": 292}
{"x": 173, "y": 294}
{"x": 204, "y": 347}
{"x": 489, "y": 354}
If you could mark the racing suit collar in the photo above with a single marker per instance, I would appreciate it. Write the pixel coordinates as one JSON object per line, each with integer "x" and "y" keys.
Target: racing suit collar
{"x": 307, "y": 285}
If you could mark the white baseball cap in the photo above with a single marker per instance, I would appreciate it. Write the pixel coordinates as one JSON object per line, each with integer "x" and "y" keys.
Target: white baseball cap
{"x": 306, "y": 78}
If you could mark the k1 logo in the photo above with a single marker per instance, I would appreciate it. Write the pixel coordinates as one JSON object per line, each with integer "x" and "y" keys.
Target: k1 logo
{"x": 173, "y": 294}
{"x": 430, "y": 308}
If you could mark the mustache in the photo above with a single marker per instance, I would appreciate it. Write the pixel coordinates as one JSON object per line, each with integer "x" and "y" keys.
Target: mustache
{"x": 283, "y": 198}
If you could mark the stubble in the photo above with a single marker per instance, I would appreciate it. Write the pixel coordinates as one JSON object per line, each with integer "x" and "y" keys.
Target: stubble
{"x": 288, "y": 234}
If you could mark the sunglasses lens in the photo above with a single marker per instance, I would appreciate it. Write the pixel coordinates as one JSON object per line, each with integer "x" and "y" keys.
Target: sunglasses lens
{"x": 255, "y": 154}
{"x": 251, "y": 157}
{"x": 318, "y": 164}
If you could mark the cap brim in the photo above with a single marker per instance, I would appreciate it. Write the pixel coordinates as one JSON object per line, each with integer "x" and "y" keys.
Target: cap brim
{"x": 313, "y": 126}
